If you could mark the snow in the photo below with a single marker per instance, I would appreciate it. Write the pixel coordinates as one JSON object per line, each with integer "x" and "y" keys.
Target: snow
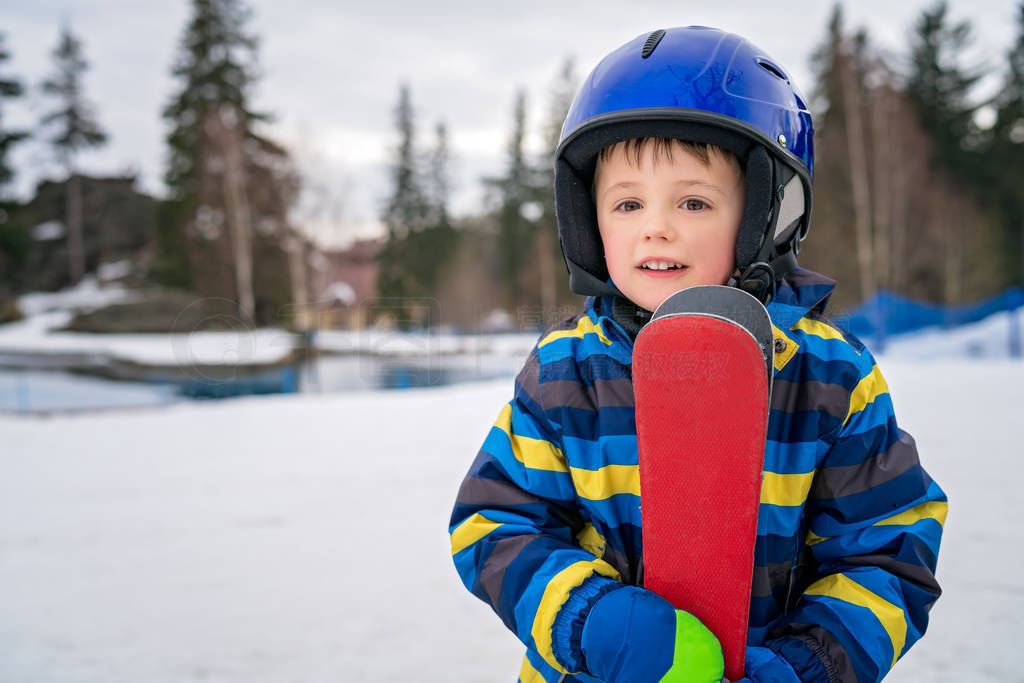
{"x": 422, "y": 343}
{"x": 35, "y": 336}
{"x": 87, "y": 295}
{"x": 303, "y": 538}
{"x": 989, "y": 338}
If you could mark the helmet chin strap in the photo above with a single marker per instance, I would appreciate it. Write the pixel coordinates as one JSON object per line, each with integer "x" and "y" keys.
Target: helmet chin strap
{"x": 761, "y": 273}
{"x": 760, "y": 277}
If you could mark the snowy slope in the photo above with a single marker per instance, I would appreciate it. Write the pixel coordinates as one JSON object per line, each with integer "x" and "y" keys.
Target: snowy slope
{"x": 303, "y": 538}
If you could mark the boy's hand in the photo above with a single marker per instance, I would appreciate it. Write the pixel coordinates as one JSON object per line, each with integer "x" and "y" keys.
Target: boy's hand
{"x": 633, "y": 635}
{"x": 764, "y": 666}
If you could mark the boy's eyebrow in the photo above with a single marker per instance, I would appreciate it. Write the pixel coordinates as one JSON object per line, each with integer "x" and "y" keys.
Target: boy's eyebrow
{"x": 627, "y": 184}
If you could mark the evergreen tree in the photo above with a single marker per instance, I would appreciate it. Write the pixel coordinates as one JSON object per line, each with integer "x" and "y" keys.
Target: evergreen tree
{"x": 1006, "y": 155}
{"x": 430, "y": 247}
{"x": 10, "y": 88}
{"x": 439, "y": 179}
{"x": 554, "y": 277}
{"x": 404, "y": 272}
{"x": 216, "y": 69}
{"x": 75, "y": 128}
{"x": 514, "y": 189}
{"x": 941, "y": 86}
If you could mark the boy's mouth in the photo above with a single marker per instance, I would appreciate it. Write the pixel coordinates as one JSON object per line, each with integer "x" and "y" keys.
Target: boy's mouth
{"x": 661, "y": 266}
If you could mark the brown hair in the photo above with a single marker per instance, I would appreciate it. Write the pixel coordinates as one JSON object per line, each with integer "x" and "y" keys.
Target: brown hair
{"x": 664, "y": 149}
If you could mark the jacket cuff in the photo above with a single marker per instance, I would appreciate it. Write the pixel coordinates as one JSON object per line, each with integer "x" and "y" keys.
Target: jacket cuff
{"x": 567, "y": 632}
{"x": 807, "y": 657}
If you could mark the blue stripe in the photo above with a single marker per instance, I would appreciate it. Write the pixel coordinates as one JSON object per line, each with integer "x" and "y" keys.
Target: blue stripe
{"x": 624, "y": 506}
{"x": 609, "y": 449}
{"x": 789, "y": 427}
{"x": 773, "y": 549}
{"x": 585, "y": 370}
{"x": 791, "y": 458}
{"x": 778, "y": 519}
{"x": 807, "y": 367}
{"x": 611, "y": 421}
{"x": 854, "y": 449}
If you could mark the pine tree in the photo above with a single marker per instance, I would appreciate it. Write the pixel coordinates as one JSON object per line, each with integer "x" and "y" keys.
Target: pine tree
{"x": 513, "y": 190}
{"x": 216, "y": 66}
{"x": 406, "y": 215}
{"x": 941, "y": 87}
{"x": 206, "y": 234}
{"x": 554, "y": 277}
{"x": 75, "y": 128}
{"x": 10, "y": 88}
{"x": 1006, "y": 156}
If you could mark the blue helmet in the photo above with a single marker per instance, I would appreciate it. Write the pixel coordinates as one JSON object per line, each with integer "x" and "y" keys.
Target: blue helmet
{"x": 703, "y": 85}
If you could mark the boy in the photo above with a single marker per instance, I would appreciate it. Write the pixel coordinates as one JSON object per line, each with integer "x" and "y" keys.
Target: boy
{"x": 686, "y": 159}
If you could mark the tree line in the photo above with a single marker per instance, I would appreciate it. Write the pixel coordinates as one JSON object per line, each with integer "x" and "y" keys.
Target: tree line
{"x": 917, "y": 182}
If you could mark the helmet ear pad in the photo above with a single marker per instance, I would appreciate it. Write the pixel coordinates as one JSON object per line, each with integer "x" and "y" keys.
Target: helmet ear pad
{"x": 575, "y": 165}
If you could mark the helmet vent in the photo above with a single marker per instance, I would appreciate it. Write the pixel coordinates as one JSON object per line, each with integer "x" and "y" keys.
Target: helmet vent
{"x": 651, "y": 43}
{"x": 772, "y": 69}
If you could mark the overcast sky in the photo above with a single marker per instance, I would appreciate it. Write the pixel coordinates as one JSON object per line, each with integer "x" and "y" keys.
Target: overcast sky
{"x": 331, "y": 72}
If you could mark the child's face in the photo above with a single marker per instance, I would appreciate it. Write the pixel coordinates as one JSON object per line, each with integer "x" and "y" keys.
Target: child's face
{"x": 668, "y": 210}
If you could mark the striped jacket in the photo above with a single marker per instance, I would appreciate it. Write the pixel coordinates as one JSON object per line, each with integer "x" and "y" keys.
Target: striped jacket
{"x": 849, "y": 523}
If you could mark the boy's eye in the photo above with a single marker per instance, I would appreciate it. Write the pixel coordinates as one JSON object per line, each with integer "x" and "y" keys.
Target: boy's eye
{"x": 627, "y": 205}
{"x": 694, "y": 204}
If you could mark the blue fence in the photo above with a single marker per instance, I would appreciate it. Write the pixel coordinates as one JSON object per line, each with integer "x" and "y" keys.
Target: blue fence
{"x": 887, "y": 314}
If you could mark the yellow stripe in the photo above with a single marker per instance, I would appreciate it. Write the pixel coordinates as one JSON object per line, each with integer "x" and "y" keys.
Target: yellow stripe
{"x": 555, "y": 595}
{"x": 471, "y": 531}
{"x": 867, "y": 390}
{"x": 591, "y": 540}
{"x": 815, "y": 539}
{"x": 607, "y": 481}
{"x": 583, "y": 327}
{"x": 787, "y": 353}
{"x": 537, "y": 454}
{"x": 892, "y": 618}
{"x": 932, "y": 510}
{"x": 818, "y": 329}
{"x": 528, "y": 674}
{"x": 785, "y": 489}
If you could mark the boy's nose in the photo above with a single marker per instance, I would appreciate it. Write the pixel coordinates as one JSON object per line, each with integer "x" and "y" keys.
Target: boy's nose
{"x": 659, "y": 228}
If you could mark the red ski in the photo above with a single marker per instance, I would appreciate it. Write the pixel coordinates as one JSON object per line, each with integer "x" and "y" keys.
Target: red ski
{"x": 702, "y": 379}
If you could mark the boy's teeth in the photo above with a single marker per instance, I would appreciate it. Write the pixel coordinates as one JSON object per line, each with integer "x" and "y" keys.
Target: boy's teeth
{"x": 659, "y": 265}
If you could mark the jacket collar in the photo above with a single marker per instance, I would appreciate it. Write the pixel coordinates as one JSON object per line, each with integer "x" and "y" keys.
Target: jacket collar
{"x": 800, "y": 292}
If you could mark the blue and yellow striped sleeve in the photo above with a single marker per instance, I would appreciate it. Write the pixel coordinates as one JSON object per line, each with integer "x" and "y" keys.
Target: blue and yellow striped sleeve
{"x": 515, "y": 523}
{"x": 875, "y": 520}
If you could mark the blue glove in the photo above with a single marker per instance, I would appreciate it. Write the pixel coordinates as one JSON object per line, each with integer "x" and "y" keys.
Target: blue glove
{"x": 632, "y": 635}
{"x": 764, "y": 666}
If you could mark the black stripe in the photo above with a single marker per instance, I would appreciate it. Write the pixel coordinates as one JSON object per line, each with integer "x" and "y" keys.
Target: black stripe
{"x": 528, "y": 379}
{"x": 620, "y": 561}
{"x": 771, "y": 579}
{"x": 922, "y": 577}
{"x": 492, "y": 574}
{"x": 607, "y": 393}
{"x": 799, "y": 397}
{"x": 848, "y": 480}
{"x": 494, "y": 493}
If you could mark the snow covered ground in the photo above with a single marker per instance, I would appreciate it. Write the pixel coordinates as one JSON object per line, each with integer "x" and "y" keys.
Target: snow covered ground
{"x": 303, "y": 538}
